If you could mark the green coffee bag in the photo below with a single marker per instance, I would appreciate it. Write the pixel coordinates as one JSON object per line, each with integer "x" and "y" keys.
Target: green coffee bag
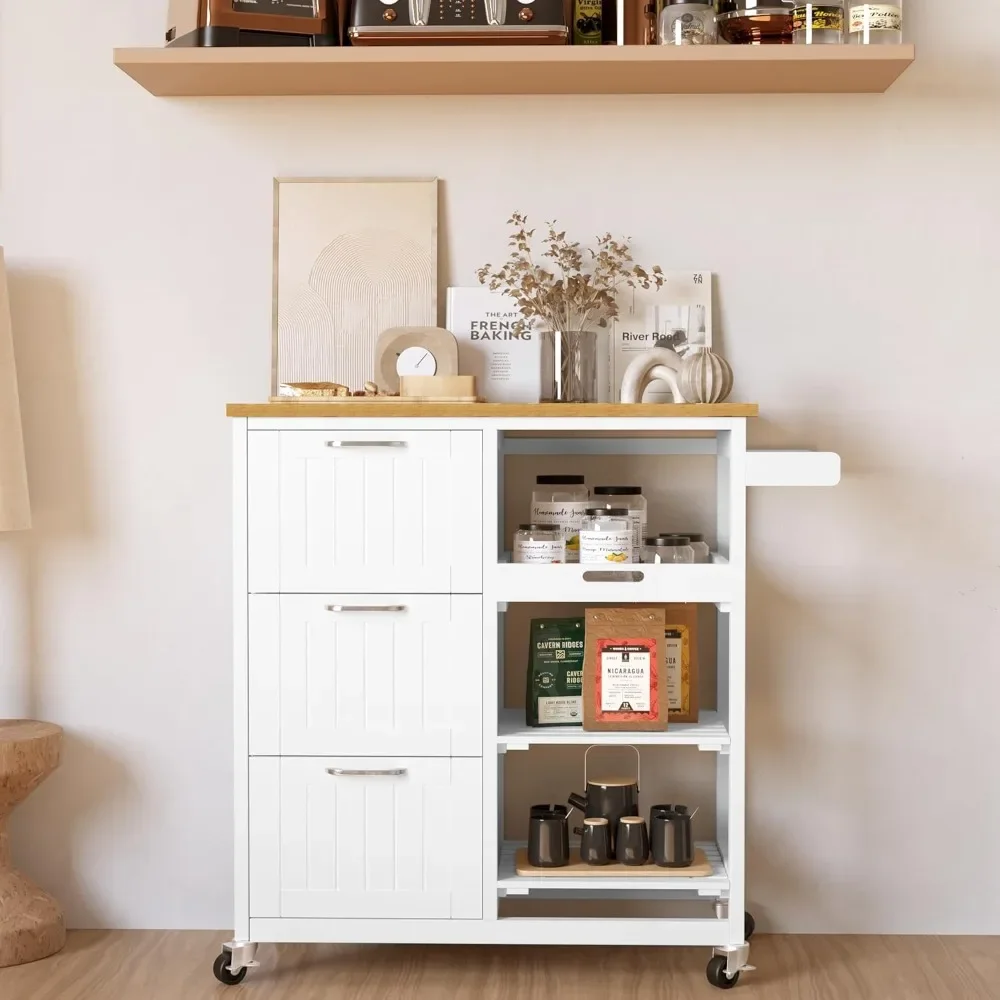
{"x": 555, "y": 672}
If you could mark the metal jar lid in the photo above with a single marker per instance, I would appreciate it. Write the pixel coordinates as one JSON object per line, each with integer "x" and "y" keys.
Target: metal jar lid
{"x": 772, "y": 10}
{"x": 559, "y": 480}
{"x": 668, "y": 541}
{"x": 681, "y": 534}
{"x": 538, "y": 527}
{"x": 618, "y": 491}
{"x": 608, "y": 511}
{"x": 745, "y": 8}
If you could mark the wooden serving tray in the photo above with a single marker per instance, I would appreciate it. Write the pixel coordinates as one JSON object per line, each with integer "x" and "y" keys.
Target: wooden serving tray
{"x": 577, "y": 869}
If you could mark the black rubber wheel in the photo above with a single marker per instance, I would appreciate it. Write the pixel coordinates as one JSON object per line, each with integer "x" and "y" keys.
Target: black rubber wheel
{"x": 224, "y": 974}
{"x": 716, "y": 973}
{"x": 749, "y": 925}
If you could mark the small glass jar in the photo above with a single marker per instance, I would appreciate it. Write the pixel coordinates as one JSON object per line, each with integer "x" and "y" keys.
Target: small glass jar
{"x": 755, "y": 22}
{"x": 702, "y": 553}
{"x": 875, "y": 23}
{"x": 539, "y": 543}
{"x": 631, "y": 498}
{"x": 818, "y": 23}
{"x": 687, "y": 22}
{"x": 561, "y": 500}
{"x": 661, "y": 549}
{"x": 606, "y": 536}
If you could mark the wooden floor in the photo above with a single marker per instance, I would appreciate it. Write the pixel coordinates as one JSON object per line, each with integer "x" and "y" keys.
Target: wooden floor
{"x": 176, "y": 965}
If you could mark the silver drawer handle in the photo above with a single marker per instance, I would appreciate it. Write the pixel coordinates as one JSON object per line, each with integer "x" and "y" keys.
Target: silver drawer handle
{"x": 366, "y": 607}
{"x": 366, "y": 444}
{"x": 345, "y": 772}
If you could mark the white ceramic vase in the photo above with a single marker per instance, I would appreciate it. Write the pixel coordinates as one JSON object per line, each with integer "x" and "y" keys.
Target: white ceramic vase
{"x": 705, "y": 377}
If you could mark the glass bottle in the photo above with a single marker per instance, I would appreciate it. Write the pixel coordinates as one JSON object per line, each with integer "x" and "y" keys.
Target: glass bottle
{"x": 818, "y": 23}
{"x": 875, "y": 23}
{"x": 687, "y": 22}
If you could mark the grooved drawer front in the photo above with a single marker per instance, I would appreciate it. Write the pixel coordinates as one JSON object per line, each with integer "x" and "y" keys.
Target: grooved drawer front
{"x": 365, "y": 511}
{"x": 368, "y": 846}
{"x": 364, "y": 674}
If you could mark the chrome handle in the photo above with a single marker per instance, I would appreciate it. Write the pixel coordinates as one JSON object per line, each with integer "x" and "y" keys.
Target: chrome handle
{"x": 366, "y": 444}
{"x": 366, "y": 607}
{"x": 346, "y": 772}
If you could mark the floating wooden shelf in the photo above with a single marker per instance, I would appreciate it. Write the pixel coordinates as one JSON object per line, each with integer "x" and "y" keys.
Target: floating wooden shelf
{"x": 480, "y": 411}
{"x": 628, "y": 69}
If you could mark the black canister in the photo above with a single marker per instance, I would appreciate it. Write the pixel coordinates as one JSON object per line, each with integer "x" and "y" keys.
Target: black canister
{"x": 670, "y": 839}
{"x": 548, "y": 836}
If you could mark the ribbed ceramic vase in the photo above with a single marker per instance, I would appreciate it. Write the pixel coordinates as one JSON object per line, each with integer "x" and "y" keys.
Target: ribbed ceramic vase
{"x": 705, "y": 377}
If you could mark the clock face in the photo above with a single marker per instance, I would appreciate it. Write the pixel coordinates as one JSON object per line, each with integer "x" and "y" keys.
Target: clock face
{"x": 416, "y": 361}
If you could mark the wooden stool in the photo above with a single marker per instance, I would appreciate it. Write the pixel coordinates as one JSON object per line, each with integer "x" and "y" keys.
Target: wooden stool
{"x": 31, "y": 921}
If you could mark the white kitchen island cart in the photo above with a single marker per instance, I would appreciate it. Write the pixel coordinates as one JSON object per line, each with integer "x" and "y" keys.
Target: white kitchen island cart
{"x": 371, "y": 733}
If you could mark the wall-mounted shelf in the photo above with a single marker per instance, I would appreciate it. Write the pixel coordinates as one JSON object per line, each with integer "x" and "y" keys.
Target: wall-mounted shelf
{"x": 629, "y": 69}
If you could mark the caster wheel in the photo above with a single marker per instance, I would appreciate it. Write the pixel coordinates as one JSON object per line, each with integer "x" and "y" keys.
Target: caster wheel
{"x": 749, "y": 926}
{"x": 717, "y": 976}
{"x": 224, "y": 974}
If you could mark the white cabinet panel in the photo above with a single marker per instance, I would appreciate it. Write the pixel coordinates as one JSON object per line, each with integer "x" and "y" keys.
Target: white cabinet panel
{"x": 365, "y": 511}
{"x": 378, "y": 845}
{"x": 360, "y": 674}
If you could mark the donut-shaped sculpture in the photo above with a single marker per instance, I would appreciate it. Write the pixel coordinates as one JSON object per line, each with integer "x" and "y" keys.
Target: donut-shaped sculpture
{"x": 657, "y": 364}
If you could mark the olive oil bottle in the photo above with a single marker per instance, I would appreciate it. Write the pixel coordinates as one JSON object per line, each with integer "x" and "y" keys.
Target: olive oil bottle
{"x": 595, "y": 22}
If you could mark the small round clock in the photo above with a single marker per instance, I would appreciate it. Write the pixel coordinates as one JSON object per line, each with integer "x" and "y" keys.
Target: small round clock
{"x": 416, "y": 361}
{"x": 414, "y": 350}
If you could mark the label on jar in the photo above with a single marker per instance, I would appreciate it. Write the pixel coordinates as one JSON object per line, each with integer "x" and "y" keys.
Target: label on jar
{"x": 569, "y": 515}
{"x": 637, "y": 529}
{"x": 531, "y": 551}
{"x": 818, "y": 16}
{"x": 560, "y": 711}
{"x": 626, "y": 675}
{"x": 876, "y": 17}
{"x": 606, "y": 546}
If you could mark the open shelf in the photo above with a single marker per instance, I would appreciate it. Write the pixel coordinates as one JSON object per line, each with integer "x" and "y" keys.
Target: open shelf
{"x": 631, "y": 583}
{"x": 514, "y": 69}
{"x": 708, "y": 733}
{"x": 509, "y": 883}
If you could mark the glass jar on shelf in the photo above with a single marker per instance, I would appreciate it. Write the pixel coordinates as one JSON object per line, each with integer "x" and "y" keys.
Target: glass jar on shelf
{"x": 539, "y": 544}
{"x": 687, "y": 22}
{"x": 631, "y": 498}
{"x": 606, "y": 536}
{"x": 818, "y": 23}
{"x": 702, "y": 553}
{"x": 755, "y": 22}
{"x": 561, "y": 500}
{"x": 875, "y": 23}
{"x": 661, "y": 549}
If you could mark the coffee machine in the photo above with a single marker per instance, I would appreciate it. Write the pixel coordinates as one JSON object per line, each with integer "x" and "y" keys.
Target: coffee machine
{"x": 235, "y": 23}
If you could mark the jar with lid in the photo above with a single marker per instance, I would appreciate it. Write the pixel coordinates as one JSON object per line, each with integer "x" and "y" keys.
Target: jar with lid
{"x": 818, "y": 23}
{"x": 702, "y": 553}
{"x": 661, "y": 549}
{"x": 606, "y": 536}
{"x": 875, "y": 23}
{"x": 687, "y": 22}
{"x": 631, "y": 498}
{"x": 563, "y": 501}
{"x": 756, "y": 22}
{"x": 539, "y": 543}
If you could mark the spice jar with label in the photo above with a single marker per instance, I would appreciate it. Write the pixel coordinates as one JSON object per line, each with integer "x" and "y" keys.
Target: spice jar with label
{"x": 631, "y": 498}
{"x": 818, "y": 23}
{"x": 875, "y": 23}
{"x": 563, "y": 501}
{"x": 606, "y": 536}
{"x": 539, "y": 543}
{"x": 702, "y": 553}
{"x": 687, "y": 22}
{"x": 672, "y": 549}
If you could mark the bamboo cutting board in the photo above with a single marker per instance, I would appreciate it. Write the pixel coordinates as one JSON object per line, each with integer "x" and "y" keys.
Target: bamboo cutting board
{"x": 577, "y": 869}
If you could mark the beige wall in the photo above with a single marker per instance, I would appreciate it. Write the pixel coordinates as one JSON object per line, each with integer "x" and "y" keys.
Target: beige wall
{"x": 856, "y": 239}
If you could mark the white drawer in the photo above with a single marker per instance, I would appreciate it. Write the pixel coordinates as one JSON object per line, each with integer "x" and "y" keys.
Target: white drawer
{"x": 362, "y": 674}
{"x": 365, "y": 511}
{"x": 382, "y": 845}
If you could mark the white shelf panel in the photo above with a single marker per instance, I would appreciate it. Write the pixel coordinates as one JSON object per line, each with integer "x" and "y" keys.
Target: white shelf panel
{"x": 709, "y": 733}
{"x": 793, "y": 468}
{"x": 509, "y": 883}
{"x": 576, "y": 583}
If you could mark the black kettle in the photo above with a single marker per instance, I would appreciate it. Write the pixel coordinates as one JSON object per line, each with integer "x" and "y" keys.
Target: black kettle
{"x": 611, "y": 798}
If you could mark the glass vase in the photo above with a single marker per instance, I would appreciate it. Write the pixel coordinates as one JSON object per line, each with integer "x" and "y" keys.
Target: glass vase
{"x": 569, "y": 366}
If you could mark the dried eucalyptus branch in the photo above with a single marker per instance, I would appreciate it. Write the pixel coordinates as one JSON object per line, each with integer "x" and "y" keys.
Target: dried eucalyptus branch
{"x": 573, "y": 288}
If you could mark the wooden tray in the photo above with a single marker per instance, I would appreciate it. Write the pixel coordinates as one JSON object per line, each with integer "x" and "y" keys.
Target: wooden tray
{"x": 577, "y": 869}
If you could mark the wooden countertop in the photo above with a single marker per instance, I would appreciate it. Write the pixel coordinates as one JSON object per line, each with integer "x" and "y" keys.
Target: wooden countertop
{"x": 390, "y": 409}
